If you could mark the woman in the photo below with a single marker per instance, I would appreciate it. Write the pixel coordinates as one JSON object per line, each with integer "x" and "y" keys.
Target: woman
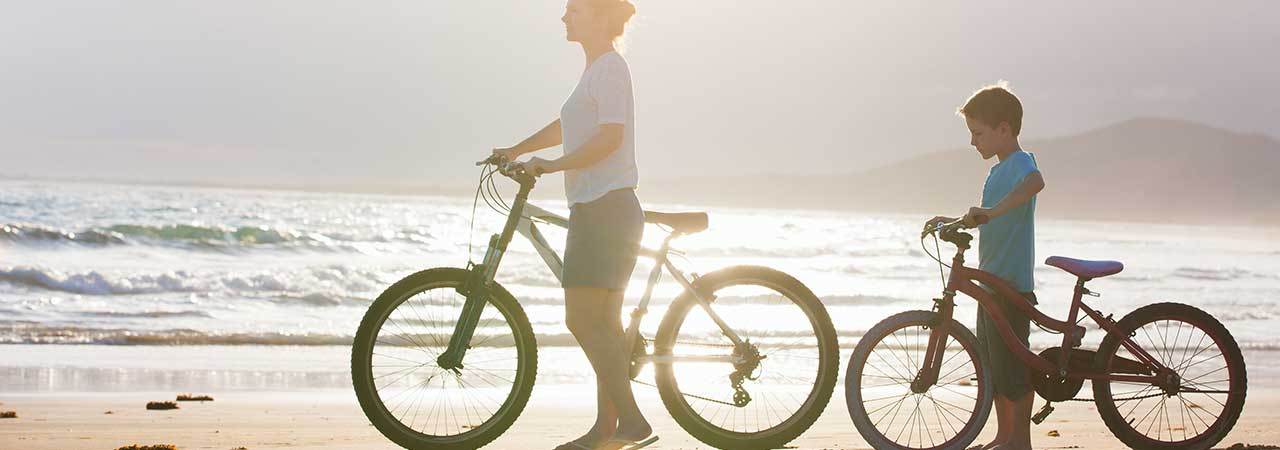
{"x": 596, "y": 128}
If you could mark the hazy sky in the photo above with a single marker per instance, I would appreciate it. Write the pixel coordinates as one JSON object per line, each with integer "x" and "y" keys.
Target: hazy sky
{"x": 416, "y": 90}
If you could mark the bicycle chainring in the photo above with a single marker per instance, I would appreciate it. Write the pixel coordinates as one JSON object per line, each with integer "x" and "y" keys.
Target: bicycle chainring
{"x": 1050, "y": 386}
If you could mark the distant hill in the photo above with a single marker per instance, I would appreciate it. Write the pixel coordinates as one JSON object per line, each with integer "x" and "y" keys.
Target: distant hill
{"x": 1144, "y": 170}
{"x": 1149, "y": 170}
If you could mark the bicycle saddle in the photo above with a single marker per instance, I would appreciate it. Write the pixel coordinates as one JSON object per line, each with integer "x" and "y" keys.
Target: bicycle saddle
{"x": 1085, "y": 269}
{"x": 684, "y": 223}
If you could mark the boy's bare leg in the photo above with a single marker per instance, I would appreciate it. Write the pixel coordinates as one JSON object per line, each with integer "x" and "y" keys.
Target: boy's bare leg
{"x": 1019, "y": 424}
{"x": 1004, "y": 422}
{"x": 1021, "y": 437}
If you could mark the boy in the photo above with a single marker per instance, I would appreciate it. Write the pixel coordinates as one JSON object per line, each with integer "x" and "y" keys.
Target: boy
{"x": 1006, "y": 248}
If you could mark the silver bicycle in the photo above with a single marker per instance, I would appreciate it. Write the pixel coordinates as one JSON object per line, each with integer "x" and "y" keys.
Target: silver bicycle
{"x": 744, "y": 358}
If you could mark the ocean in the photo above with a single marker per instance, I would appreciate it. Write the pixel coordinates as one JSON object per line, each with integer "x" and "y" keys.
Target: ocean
{"x": 108, "y": 265}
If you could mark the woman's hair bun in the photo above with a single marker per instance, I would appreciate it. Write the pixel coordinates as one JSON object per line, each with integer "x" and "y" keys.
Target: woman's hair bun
{"x": 618, "y": 12}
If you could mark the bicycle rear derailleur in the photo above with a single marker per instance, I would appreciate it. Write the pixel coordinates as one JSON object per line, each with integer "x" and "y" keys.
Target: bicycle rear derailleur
{"x": 749, "y": 360}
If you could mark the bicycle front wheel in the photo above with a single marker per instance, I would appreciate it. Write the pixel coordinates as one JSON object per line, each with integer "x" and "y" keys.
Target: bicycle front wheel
{"x": 414, "y": 402}
{"x": 763, "y": 393}
{"x": 889, "y": 413}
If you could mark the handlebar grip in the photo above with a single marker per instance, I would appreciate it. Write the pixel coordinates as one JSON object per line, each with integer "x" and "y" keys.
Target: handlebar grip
{"x": 497, "y": 160}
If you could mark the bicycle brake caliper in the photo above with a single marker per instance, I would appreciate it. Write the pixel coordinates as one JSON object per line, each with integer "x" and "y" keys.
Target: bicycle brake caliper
{"x": 475, "y": 277}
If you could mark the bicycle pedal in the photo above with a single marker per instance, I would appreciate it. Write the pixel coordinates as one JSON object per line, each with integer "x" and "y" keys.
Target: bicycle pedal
{"x": 1043, "y": 414}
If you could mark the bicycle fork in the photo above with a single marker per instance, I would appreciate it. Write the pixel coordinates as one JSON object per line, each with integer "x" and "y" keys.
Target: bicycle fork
{"x": 932, "y": 365}
{"x": 477, "y": 286}
{"x": 476, "y": 290}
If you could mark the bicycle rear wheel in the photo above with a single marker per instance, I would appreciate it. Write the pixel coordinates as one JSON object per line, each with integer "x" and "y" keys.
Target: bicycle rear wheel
{"x": 414, "y": 402}
{"x": 882, "y": 404}
{"x": 1204, "y": 360}
{"x": 788, "y": 363}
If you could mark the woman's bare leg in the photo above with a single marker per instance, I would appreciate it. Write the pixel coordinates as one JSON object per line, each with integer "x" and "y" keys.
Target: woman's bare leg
{"x": 594, "y": 316}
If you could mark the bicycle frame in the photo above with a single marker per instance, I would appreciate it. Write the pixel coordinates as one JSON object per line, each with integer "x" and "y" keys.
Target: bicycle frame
{"x": 522, "y": 220}
{"x": 964, "y": 280}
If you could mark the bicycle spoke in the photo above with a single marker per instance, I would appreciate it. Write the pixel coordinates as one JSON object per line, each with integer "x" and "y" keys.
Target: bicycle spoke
{"x": 948, "y": 389}
{"x": 1205, "y": 360}
{"x": 891, "y": 366}
{"x": 1196, "y": 414}
{"x": 897, "y": 407}
{"x": 1199, "y": 350}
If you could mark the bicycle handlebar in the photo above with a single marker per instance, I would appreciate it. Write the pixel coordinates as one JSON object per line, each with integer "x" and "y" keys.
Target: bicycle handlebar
{"x": 953, "y": 226}
{"x": 511, "y": 169}
{"x": 951, "y": 231}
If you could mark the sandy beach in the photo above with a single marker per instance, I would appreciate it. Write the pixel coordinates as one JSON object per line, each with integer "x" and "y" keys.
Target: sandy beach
{"x": 332, "y": 420}
{"x": 67, "y": 409}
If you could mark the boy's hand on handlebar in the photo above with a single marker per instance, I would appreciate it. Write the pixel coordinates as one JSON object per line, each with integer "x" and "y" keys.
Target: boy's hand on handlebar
{"x": 933, "y": 224}
{"x": 938, "y": 220}
{"x": 977, "y": 216}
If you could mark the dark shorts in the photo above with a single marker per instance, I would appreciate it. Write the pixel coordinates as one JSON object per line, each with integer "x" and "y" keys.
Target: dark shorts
{"x": 603, "y": 242}
{"x": 1011, "y": 378}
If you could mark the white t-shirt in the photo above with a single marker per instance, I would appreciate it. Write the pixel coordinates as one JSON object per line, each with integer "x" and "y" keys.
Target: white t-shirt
{"x": 602, "y": 96}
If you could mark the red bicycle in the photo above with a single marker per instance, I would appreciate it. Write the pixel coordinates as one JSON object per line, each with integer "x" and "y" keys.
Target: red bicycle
{"x": 1166, "y": 376}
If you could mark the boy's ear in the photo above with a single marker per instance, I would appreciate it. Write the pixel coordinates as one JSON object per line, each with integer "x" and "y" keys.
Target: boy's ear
{"x": 1004, "y": 128}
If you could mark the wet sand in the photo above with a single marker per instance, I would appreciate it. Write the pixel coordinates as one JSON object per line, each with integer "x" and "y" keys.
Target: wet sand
{"x": 331, "y": 419}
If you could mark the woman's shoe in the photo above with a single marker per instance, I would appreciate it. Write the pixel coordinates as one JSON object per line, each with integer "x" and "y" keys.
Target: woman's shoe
{"x": 574, "y": 445}
{"x": 627, "y": 444}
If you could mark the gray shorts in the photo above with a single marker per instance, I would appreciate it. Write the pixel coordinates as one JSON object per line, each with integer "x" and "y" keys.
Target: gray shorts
{"x": 603, "y": 242}
{"x": 1009, "y": 375}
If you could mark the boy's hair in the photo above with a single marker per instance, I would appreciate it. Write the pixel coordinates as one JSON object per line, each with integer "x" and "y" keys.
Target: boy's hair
{"x": 994, "y": 104}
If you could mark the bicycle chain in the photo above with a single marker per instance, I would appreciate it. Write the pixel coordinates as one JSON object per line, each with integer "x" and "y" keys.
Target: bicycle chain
{"x": 1114, "y": 399}
{"x": 699, "y": 397}
{"x": 649, "y": 340}
{"x": 703, "y": 345}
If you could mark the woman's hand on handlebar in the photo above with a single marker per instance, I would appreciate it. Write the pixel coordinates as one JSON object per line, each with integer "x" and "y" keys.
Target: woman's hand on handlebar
{"x": 507, "y": 153}
{"x": 536, "y": 166}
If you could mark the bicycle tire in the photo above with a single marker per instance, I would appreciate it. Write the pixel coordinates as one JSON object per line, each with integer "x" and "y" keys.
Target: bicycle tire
{"x": 365, "y": 381}
{"x": 825, "y": 368}
{"x": 1136, "y": 323}
{"x": 857, "y": 371}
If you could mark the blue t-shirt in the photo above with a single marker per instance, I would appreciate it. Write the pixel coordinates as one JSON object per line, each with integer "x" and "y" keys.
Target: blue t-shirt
{"x": 1007, "y": 245}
